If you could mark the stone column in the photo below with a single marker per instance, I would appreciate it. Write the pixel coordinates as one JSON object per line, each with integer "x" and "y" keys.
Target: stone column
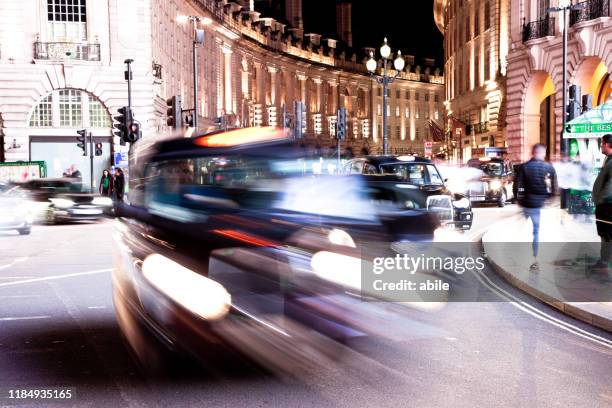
{"x": 227, "y": 75}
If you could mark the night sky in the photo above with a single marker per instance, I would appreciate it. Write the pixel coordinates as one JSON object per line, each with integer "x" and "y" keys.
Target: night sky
{"x": 408, "y": 24}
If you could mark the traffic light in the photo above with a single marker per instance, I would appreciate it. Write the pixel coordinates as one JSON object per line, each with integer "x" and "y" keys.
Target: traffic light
{"x": 573, "y": 110}
{"x": 134, "y": 132}
{"x": 287, "y": 120}
{"x": 174, "y": 112}
{"x": 341, "y": 124}
{"x": 82, "y": 140}
{"x": 124, "y": 120}
{"x": 98, "y": 149}
{"x": 587, "y": 103}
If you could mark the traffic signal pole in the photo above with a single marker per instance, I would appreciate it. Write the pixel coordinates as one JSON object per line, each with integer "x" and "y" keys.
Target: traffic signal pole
{"x": 91, "y": 163}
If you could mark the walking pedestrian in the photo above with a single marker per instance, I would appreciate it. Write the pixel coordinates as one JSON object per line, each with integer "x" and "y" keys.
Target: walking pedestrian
{"x": 536, "y": 182}
{"x": 119, "y": 184}
{"x": 106, "y": 184}
{"x": 602, "y": 198}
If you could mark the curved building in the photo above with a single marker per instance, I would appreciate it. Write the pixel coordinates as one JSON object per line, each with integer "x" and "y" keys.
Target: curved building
{"x": 475, "y": 48}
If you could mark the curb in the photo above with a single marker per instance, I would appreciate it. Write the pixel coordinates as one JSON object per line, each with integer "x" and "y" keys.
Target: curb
{"x": 569, "y": 309}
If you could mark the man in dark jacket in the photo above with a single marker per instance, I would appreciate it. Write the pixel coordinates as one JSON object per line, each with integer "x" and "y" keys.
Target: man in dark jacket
{"x": 602, "y": 197}
{"x": 536, "y": 182}
{"x": 119, "y": 184}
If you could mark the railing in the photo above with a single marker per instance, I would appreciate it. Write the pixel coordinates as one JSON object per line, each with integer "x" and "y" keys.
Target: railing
{"x": 590, "y": 10}
{"x": 481, "y": 127}
{"x": 539, "y": 29}
{"x": 66, "y": 50}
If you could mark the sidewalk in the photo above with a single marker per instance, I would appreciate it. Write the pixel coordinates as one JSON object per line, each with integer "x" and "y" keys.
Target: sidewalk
{"x": 568, "y": 246}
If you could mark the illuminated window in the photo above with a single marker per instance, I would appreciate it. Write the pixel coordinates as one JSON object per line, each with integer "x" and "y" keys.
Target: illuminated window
{"x": 378, "y": 110}
{"x": 407, "y": 112}
{"x": 67, "y": 20}
{"x": 42, "y": 117}
{"x": 98, "y": 117}
{"x": 71, "y": 113}
{"x": 397, "y": 111}
{"x": 436, "y": 115}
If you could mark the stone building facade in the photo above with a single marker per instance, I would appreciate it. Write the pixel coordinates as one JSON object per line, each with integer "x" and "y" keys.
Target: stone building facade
{"x": 62, "y": 69}
{"x": 475, "y": 47}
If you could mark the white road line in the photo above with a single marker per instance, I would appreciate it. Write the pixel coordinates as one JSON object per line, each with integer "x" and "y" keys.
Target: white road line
{"x": 14, "y": 262}
{"x": 55, "y": 277}
{"x": 96, "y": 307}
{"x": 11, "y": 319}
{"x": 533, "y": 311}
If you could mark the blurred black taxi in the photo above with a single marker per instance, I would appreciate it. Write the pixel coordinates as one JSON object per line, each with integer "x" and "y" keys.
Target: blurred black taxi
{"x": 226, "y": 245}
{"x": 412, "y": 182}
{"x": 495, "y": 185}
{"x": 56, "y": 200}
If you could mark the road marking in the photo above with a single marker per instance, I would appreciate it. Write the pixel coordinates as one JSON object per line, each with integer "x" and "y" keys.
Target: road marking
{"x": 16, "y": 261}
{"x": 96, "y": 307}
{"x": 55, "y": 277}
{"x": 535, "y": 312}
{"x": 10, "y": 319}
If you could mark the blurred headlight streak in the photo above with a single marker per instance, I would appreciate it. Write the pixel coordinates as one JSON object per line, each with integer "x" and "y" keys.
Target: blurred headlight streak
{"x": 341, "y": 237}
{"x": 340, "y": 269}
{"x": 196, "y": 293}
{"x": 104, "y": 201}
{"x": 62, "y": 202}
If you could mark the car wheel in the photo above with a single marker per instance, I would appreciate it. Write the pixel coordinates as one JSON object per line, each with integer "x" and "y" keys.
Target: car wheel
{"x": 502, "y": 199}
{"x": 24, "y": 231}
{"x": 151, "y": 357}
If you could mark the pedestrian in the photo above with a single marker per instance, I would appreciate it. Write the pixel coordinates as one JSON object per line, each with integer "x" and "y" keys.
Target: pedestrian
{"x": 106, "y": 184}
{"x": 118, "y": 184}
{"x": 536, "y": 182}
{"x": 73, "y": 172}
{"x": 602, "y": 198}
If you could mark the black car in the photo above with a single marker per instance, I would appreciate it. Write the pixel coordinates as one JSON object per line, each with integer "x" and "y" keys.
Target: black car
{"x": 226, "y": 246}
{"x": 495, "y": 185}
{"x": 412, "y": 182}
{"x": 63, "y": 200}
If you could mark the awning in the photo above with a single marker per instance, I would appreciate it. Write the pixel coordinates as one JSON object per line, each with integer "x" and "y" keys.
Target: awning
{"x": 590, "y": 125}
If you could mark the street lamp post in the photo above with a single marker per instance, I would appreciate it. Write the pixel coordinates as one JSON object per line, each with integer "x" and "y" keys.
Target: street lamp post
{"x": 385, "y": 79}
{"x": 198, "y": 38}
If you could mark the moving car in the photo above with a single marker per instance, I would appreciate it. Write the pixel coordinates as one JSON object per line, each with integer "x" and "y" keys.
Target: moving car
{"x": 413, "y": 182}
{"x": 63, "y": 200}
{"x": 226, "y": 246}
{"x": 495, "y": 185}
{"x": 15, "y": 214}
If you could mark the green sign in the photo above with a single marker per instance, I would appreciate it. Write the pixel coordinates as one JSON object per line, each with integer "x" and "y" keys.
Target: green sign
{"x": 591, "y": 127}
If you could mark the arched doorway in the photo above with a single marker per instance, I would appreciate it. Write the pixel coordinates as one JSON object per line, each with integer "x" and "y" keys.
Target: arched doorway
{"x": 539, "y": 114}
{"x": 593, "y": 78}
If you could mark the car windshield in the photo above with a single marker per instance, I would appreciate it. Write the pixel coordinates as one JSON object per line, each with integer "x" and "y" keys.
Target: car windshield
{"x": 414, "y": 173}
{"x": 492, "y": 169}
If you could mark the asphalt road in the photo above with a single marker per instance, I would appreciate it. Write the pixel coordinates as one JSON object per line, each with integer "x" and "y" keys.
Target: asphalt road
{"x": 58, "y": 329}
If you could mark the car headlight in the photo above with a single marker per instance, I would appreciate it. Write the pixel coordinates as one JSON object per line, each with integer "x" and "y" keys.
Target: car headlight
{"x": 337, "y": 268}
{"x": 200, "y": 295}
{"x": 340, "y": 237}
{"x": 495, "y": 184}
{"x": 462, "y": 203}
{"x": 62, "y": 202}
{"x": 103, "y": 201}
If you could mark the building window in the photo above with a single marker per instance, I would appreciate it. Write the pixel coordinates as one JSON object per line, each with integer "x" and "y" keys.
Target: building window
{"x": 416, "y": 96}
{"x": 388, "y": 111}
{"x": 71, "y": 114}
{"x": 436, "y": 115}
{"x": 436, "y": 98}
{"x": 98, "y": 118}
{"x": 407, "y": 113}
{"x": 426, "y": 97}
{"x": 70, "y": 108}
{"x": 487, "y": 16}
{"x": 379, "y": 92}
{"x": 398, "y": 94}
{"x": 476, "y": 20}
{"x": 378, "y": 110}
{"x": 67, "y": 20}
{"x": 543, "y": 6}
{"x": 397, "y": 111}
{"x": 42, "y": 116}
{"x": 426, "y": 113}
{"x": 417, "y": 113}
{"x": 417, "y": 133}
{"x": 398, "y": 132}
{"x": 408, "y": 95}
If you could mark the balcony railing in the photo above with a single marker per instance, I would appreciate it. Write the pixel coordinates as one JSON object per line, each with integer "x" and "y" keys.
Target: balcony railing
{"x": 539, "y": 29}
{"x": 590, "y": 10}
{"x": 66, "y": 51}
{"x": 481, "y": 127}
